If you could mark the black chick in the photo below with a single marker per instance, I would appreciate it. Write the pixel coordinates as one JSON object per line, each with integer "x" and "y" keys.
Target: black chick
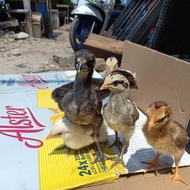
{"x": 83, "y": 102}
{"x": 60, "y": 92}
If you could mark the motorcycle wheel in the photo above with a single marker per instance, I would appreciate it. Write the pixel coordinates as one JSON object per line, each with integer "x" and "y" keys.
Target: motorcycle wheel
{"x": 79, "y": 31}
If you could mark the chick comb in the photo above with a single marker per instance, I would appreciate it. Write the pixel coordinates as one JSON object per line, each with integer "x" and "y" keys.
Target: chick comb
{"x": 128, "y": 75}
{"x": 159, "y": 104}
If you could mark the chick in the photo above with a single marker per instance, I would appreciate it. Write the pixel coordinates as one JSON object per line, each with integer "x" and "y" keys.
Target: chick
{"x": 60, "y": 92}
{"x": 119, "y": 113}
{"x": 165, "y": 136}
{"x": 75, "y": 136}
{"x": 105, "y": 68}
{"x": 112, "y": 64}
{"x": 82, "y": 104}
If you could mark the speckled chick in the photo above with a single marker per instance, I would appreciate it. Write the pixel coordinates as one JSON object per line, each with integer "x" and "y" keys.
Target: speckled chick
{"x": 120, "y": 113}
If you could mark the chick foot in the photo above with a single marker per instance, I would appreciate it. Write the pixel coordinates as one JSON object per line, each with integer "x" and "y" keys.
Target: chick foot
{"x": 100, "y": 157}
{"x": 152, "y": 164}
{"x": 118, "y": 160}
{"x": 176, "y": 176}
{"x": 117, "y": 142}
{"x": 120, "y": 157}
{"x": 106, "y": 157}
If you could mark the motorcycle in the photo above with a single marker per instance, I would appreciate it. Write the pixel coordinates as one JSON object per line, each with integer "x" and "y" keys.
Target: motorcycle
{"x": 90, "y": 16}
{"x": 3, "y": 10}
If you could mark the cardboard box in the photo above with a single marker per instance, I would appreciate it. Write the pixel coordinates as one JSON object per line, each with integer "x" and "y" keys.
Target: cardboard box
{"x": 159, "y": 77}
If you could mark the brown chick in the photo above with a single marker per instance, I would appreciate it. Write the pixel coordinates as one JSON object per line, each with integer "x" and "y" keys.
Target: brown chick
{"x": 82, "y": 104}
{"x": 165, "y": 136}
{"x": 119, "y": 113}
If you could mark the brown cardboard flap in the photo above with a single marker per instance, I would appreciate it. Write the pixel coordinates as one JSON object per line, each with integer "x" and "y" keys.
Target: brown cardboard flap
{"x": 159, "y": 77}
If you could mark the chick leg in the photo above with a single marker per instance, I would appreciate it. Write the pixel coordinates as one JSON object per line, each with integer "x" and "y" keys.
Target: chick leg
{"x": 106, "y": 156}
{"x": 176, "y": 176}
{"x": 120, "y": 157}
{"x": 128, "y": 134}
{"x": 154, "y": 164}
{"x": 117, "y": 142}
{"x": 100, "y": 155}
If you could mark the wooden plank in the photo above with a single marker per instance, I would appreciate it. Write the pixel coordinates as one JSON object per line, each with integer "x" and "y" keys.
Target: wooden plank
{"x": 18, "y": 11}
{"x": 26, "y": 4}
{"x": 50, "y": 31}
{"x": 36, "y": 5}
{"x": 104, "y": 47}
{"x": 67, "y": 7}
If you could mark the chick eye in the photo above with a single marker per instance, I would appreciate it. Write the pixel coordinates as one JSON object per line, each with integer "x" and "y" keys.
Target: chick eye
{"x": 59, "y": 134}
{"x": 90, "y": 63}
{"x": 115, "y": 83}
{"x": 162, "y": 119}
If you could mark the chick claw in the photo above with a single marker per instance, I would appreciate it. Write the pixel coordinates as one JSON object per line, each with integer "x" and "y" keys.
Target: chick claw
{"x": 152, "y": 164}
{"x": 118, "y": 160}
{"x": 176, "y": 176}
{"x": 100, "y": 158}
{"x": 100, "y": 155}
{"x": 106, "y": 157}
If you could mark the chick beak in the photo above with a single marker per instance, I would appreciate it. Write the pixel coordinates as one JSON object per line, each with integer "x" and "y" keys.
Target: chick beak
{"x": 104, "y": 86}
{"x": 150, "y": 127}
{"x": 79, "y": 66}
{"x": 50, "y": 136}
{"x": 111, "y": 69}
